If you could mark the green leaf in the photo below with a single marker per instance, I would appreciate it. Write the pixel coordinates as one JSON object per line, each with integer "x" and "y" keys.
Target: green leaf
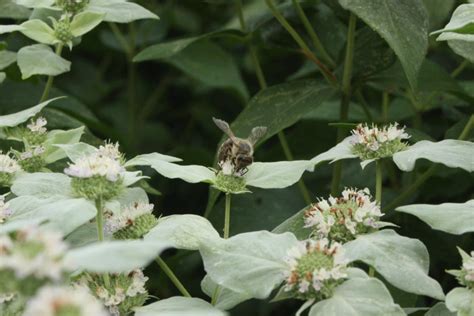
{"x": 281, "y": 106}
{"x": 56, "y": 137}
{"x": 440, "y": 309}
{"x": 226, "y": 298}
{"x": 183, "y": 231}
{"x": 15, "y": 119}
{"x": 120, "y": 11}
{"x": 462, "y": 47}
{"x": 35, "y": 3}
{"x": 40, "y": 59}
{"x": 340, "y": 151}
{"x": 251, "y": 263}
{"x": 2, "y": 76}
{"x": 358, "y": 297}
{"x": 451, "y": 153}
{"x": 402, "y": 23}
{"x": 460, "y": 300}
{"x": 179, "y": 306}
{"x": 462, "y": 20}
{"x": 63, "y": 215}
{"x": 275, "y": 175}
{"x": 189, "y": 173}
{"x": 454, "y": 218}
{"x": 6, "y": 59}
{"x": 114, "y": 256}
{"x": 42, "y": 185}
{"x": 438, "y": 11}
{"x": 295, "y": 224}
{"x": 85, "y": 22}
{"x": 39, "y": 31}
{"x": 10, "y": 28}
{"x": 76, "y": 151}
{"x": 210, "y": 64}
{"x": 8, "y": 9}
{"x": 150, "y": 159}
{"x": 402, "y": 261}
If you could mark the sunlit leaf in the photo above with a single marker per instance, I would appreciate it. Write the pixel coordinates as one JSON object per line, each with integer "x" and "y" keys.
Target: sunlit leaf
{"x": 120, "y": 11}
{"x": 226, "y": 299}
{"x": 39, "y": 59}
{"x": 42, "y": 185}
{"x": 15, "y": 119}
{"x": 275, "y": 175}
{"x": 460, "y": 300}
{"x": 55, "y": 137}
{"x": 39, "y": 31}
{"x": 84, "y": 22}
{"x": 179, "y": 306}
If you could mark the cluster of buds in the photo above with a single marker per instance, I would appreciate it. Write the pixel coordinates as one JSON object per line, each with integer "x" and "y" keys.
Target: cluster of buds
{"x": 8, "y": 167}
{"x": 72, "y": 6}
{"x": 465, "y": 275}
{"x": 62, "y": 29}
{"x": 32, "y": 160}
{"x": 35, "y": 133}
{"x": 343, "y": 218}
{"x": 64, "y": 301}
{"x": 98, "y": 175}
{"x": 131, "y": 222}
{"x": 374, "y": 142}
{"x": 229, "y": 183}
{"x": 30, "y": 259}
{"x": 316, "y": 267}
{"x": 5, "y": 210}
{"x": 124, "y": 292}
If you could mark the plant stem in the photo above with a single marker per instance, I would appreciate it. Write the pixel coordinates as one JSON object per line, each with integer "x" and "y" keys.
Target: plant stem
{"x": 378, "y": 181}
{"x": 346, "y": 98}
{"x": 167, "y": 270}
{"x": 121, "y": 39}
{"x": 371, "y": 272}
{"x": 427, "y": 174}
{"x": 99, "y": 218}
{"x": 49, "y": 82}
{"x": 456, "y": 72}
{"x": 328, "y": 75}
{"x": 227, "y": 216}
{"x": 385, "y": 103}
{"x": 312, "y": 33}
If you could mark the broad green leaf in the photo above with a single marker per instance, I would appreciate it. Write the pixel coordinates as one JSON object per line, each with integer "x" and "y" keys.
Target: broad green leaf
{"x": 462, "y": 20}
{"x": 9, "y": 9}
{"x": 42, "y": 185}
{"x": 179, "y": 306}
{"x": 454, "y": 218}
{"x": 402, "y": 261}
{"x": 295, "y": 225}
{"x": 169, "y": 49}
{"x": 251, "y": 263}
{"x": 275, "y": 175}
{"x": 190, "y": 173}
{"x": 463, "y": 48}
{"x": 8, "y": 227}
{"x": 281, "y": 106}
{"x": 63, "y": 215}
{"x": 76, "y": 151}
{"x": 120, "y": 11}
{"x": 340, "y": 151}
{"x": 15, "y": 119}
{"x": 358, "y": 297}
{"x": 438, "y": 11}
{"x": 183, "y": 231}
{"x": 35, "y": 3}
{"x": 10, "y": 28}
{"x": 226, "y": 298}
{"x": 114, "y": 256}
{"x": 84, "y": 22}
{"x": 132, "y": 177}
{"x": 150, "y": 159}
{"x": 440, "y": 309}
{"x": 449, "y": 152}
{"x": 56, "y": 137}
{"x": 460, "y": 300}
{"x": 83, "y": 235}
{"x": 39, "y": 31}
{"x": 6, "y": 58}
{"x": 402, "y": 23}
{"x": 210, "y": 64}
{"x": 39, "y": 59}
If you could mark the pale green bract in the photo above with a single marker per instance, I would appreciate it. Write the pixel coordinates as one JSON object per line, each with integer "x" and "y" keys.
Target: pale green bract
{"x": 42, "y": 185}
{"x": 39, "y": 59}
{"x": 338, "y": 152}
{"x": 460, "y": 300}
{"x": 462, "y": 21}
{"x": 6, "y": 58}
{"x": 15, "y": 119}
{"x": 402, "y": 261}
{"x": 179, "y": 306}
{"x": 439, "y": 309}
{"x": 57, "y": 137}
{"x": 454, "y": 218}
{"x": 226, "y": 299}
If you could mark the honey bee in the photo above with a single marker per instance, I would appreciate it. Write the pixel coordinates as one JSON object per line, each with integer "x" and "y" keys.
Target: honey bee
{"x": 237, "y": 151}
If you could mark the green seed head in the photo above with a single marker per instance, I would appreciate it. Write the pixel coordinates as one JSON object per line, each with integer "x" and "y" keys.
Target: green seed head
{"x": 96, "y": 187}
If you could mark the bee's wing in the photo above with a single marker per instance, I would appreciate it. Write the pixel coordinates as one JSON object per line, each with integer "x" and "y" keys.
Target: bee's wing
{"x": 256, "y": 134}
{"x": 224, "y": 126}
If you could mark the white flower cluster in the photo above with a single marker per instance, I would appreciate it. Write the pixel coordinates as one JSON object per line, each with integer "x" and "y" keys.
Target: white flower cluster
{"x": 377, "y": 142}
{"x": 8, "y": 164}
{"x": 127, "y": 216}
{"x": 344, "y": 217}
{"x": 5, "y": 210}
{"x": 315, "y": 265}
{"x": 56, "y": 301}
{"x": 31, "y": 153}
{"x": 104, "y": 162}
{"x": 6, "y": 297}
{"x": 468, "y": 267}
{"x": 33, "y": 252}
{"x": 38, "y": 126}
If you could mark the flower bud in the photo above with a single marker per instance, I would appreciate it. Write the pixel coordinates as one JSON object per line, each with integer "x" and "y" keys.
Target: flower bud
{"x": 465, "y": 275}
{"x": 8, "y": 167}
{"x": 72, "y": 6}
{"x": 62, "y": 30}
{"x": 32, "y": 160}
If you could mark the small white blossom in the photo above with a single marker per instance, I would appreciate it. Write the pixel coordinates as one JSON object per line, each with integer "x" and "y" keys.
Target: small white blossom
{"x": 8, "y": 164}
{"x": 6, "y": 297}
{"x": 110, "y": 150}
{"x": 127, "y": 216}
{"x": 38, "y": 125}
{"x": 468, "y": 267}
{"x": 96, "y": 165}
{"x": 5, "y": 210}
{"x": 51, "y": 300}
{"x": 33, "y": 152}
{"x": 138, "y": 283}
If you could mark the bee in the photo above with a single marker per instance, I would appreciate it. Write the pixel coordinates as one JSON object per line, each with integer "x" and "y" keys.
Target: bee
{"x": 235, "y": 150}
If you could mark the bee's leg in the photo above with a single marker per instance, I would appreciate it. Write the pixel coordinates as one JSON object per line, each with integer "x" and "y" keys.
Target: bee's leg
{"x": 244, "y": 171}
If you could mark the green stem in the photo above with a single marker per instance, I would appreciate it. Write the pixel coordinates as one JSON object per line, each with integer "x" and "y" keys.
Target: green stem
{"x": 312, "y": 33}
{"x": 122, "y": 40}
{"x": 456, "y": 72}
{"x": 378, "y": 181}
{"x": 99, "y": 205}
{"x": 364, "y": 105}
{"x": 385, "y": 103}
{"x": 240, "y": 12}
{"x": 167, "y": 270}
{"x": 328, "y": 75}
{"x": 346, "y": 98}
{"x": 427, "y": 174}
{"x": 49, "y": 82}
{"x": 227, "y": 216}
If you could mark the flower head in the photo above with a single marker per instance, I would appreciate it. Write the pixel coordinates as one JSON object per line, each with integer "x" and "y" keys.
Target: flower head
{"x": 125, "y": 291}
{"x": 72, "y": 6}
{"x": 32, "y": 160}
{"x": 132, "y": 222}
{"x": 465, "y": 275}
{"x": 378, "y": 142}
{"x": 96, "y": 165}
{"x": 343, "y": 218}
{"x": 5, "y": 210}
{"x": 315, "y": 268}
{"x": 8, "y": 167}
{"x": 64, "y": 301}
{"x": 38, "y": 125}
